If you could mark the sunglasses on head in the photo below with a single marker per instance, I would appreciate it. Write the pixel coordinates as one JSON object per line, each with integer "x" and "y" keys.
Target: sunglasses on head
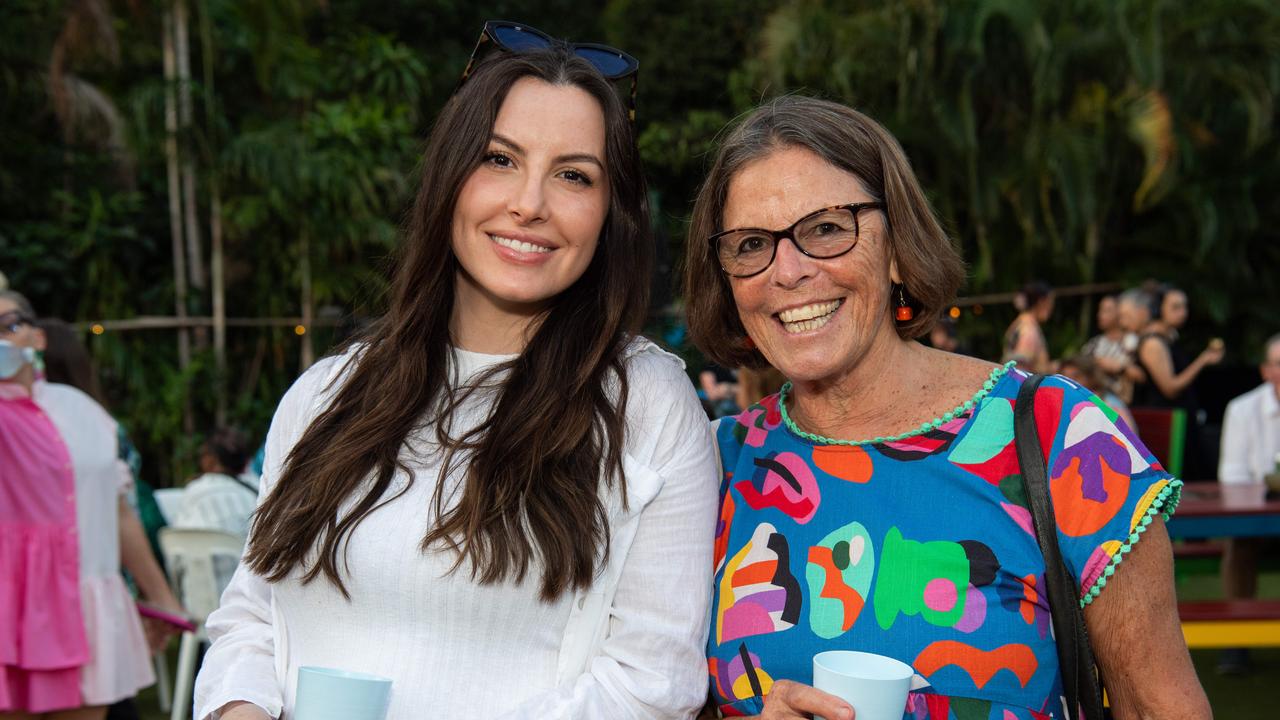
{"x": 513, "y": 37}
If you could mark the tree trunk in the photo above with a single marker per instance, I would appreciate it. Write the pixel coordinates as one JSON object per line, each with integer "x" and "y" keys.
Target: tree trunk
{"x": 219, "y": 306}
{"x": 175, "y": 206}
{"x": 216, "y": 262}
{"x": 195, "y": 250}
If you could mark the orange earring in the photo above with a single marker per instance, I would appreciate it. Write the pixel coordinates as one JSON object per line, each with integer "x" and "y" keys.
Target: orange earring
{"x": 749, "y": 343}
{"x": 904, "y": 312}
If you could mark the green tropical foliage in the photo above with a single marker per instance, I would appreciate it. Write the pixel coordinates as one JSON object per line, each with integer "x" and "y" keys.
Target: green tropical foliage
{"x": 1075, "y": 140}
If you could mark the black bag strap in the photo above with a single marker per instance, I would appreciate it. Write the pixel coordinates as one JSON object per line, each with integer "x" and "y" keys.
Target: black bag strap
{"x": 1075, "y": 656}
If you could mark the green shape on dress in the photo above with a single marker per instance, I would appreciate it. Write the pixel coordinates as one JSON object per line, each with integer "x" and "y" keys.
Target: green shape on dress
{"x": 906, "y": 569}
{"x": 990, "y": 431}
{"x": 852, "y": 553}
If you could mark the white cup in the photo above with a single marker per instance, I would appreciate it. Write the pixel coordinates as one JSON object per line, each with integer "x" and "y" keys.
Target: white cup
{"x": 876, "y": 686}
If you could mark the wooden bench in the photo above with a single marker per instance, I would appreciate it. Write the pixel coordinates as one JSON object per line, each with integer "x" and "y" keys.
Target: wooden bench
{"x": 1198, "y": 549}
{"x": 1231, "y": 623}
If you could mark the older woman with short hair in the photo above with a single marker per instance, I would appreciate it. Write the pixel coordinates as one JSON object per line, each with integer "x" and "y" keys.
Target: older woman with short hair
{"x": 874, "y": 503}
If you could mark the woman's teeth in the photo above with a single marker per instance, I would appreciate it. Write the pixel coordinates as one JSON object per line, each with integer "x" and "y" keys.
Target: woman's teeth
{"x": 809, "y": 317}
{"x": 519, "y": 245}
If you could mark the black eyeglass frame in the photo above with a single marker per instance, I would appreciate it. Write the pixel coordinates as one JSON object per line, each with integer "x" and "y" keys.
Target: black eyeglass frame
{"x": 789, "y": 233}
{"x": 12, "y": 320}
{"x": 489, "y": 34}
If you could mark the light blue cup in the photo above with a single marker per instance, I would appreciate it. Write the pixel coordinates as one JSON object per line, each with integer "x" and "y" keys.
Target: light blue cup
{"x": 876, "y": 686}
{"x": 330, "y": 694}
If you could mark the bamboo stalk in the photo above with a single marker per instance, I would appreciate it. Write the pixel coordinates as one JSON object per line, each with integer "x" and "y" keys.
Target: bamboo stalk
{"x": 175, "y": 201}
{"x": 175, "y": 208}
{"x": 217, "y": 260}
{"x": 195, "y": 253}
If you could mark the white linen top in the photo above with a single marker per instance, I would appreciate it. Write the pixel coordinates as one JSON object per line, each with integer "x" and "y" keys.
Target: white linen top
{"x": 630, "y": 646}
{"x": 1250, "y": 436}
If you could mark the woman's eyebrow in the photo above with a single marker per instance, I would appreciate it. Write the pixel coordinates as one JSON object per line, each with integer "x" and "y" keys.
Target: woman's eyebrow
{"x": 567, "y": 158}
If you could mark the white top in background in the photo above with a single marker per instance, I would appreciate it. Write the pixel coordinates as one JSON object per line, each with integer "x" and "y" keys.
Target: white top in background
{"x": 1250, "y": 436}
{"x": 632, "y": 646}
{"x": 215, "y": 501}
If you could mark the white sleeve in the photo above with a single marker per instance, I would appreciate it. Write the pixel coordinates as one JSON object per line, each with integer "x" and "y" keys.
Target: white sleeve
{"x": 240, "y": 665}
{"x": 652, "y": 663}
{"x": 1233, "y": 462}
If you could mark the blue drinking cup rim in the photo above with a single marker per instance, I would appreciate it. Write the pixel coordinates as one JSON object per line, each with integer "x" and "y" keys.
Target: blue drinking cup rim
{"x": 823, "y": 660}
{"x": 340, "y": 673}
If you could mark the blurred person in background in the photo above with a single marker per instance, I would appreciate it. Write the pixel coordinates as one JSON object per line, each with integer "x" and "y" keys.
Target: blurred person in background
{"x": 943, "y": 335}
{"x": 221, "y": 498}
{"x": 1085, "y": 370}
{"x": 1171, "y": 373}
{"x": 67, "y": 361}
{"x": 1024, "y": 341}
{"x": 109, "y": 532}
{"x": 1112, "y": 349}
{"x": 1250, "y": 454}
{"x": 755, "y": 383}
{"x": 718, "y": 385}
{"x": 43, "y": 645}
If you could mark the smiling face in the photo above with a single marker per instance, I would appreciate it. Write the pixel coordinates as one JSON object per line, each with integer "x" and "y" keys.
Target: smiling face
{"x": 813, "y": 320}
{"x": 528, "y": 219}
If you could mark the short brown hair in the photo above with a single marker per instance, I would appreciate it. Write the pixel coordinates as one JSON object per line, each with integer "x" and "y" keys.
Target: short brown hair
{"x": 928, "y": 262}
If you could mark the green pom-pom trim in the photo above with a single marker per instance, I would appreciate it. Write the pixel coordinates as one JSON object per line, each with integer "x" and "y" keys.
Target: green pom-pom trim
{"x": 968, "y": 405}
{"x": 1165, "y": 503}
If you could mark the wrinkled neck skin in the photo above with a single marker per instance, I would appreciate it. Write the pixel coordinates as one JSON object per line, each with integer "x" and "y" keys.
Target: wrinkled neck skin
{"x": 874, "y": 390}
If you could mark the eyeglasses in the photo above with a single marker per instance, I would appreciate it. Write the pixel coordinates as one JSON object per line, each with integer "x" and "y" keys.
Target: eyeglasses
{"x": 822, "y": 234}
{"x": 515, "y": 37}
{"x": 11, "y": 322}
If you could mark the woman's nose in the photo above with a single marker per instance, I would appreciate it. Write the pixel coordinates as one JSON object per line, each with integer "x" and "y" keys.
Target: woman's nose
{"x": 528, "y": 202}
{"x": 790, "y": 266}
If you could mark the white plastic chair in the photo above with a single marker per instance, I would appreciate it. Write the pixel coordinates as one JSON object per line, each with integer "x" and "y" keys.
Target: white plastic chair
{"x": 194, "y": 559}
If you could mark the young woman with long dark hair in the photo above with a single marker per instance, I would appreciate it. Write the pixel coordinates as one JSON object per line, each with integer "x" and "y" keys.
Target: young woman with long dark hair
{"x": 500, "y": 497}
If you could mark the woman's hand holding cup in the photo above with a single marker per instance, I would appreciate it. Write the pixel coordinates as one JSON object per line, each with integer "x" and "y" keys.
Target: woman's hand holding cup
{"x": 795, "y": 701}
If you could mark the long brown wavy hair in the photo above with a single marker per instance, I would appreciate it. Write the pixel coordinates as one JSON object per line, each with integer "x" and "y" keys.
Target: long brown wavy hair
{"x": 538, "y": 468}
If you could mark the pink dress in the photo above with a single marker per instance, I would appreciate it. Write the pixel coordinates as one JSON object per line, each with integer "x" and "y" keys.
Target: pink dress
{"x": 42, "y": 633}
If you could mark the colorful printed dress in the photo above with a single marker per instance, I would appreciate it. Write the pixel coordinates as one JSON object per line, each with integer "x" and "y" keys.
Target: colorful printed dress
{"x": 920, "y": 548}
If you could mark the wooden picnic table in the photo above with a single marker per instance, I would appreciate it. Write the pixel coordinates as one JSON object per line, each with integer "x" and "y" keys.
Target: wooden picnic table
{"x": 1214, "y": 510}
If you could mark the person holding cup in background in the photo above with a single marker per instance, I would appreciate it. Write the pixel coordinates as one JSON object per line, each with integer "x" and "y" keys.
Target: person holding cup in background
{"x": 500, "y": 498}
{"x": 874, "y": 504}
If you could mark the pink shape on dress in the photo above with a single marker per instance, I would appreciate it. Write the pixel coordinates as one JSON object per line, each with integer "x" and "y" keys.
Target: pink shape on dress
{"x": 940, "y": 595}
